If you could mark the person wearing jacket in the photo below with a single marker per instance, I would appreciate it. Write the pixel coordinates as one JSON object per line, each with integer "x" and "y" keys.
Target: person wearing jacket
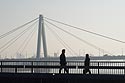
{"x": 63, "y": 62}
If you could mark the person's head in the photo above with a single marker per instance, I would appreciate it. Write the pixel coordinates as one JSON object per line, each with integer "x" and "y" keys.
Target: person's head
{"x": 87, "y": 55}
{"x": 63, "y": 50}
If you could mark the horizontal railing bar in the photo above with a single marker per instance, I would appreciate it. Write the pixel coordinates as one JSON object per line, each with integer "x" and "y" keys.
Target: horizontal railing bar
{"x": 56, "y": 66}
{"x": 11, "y": 66}
{"x": 29, "y": 66}
{"x": 67, "y": 61}
{"x": 103, "y": 67}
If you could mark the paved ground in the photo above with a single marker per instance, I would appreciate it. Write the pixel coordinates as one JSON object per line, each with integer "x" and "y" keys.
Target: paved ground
{"x": 57, "y": 78}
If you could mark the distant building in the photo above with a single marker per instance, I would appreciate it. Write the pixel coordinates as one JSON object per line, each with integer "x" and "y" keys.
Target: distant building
{"x": 55, "y": 54}
{"x": 19, "y": 56}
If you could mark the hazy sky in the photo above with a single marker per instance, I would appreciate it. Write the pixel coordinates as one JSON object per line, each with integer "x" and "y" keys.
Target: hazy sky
{"x": 106, "y": 17}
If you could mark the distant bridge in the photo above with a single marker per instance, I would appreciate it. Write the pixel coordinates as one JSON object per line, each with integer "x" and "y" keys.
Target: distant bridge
{"x": 41, "y": 35}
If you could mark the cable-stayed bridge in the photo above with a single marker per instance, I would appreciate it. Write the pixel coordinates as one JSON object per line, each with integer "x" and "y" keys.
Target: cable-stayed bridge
{"x": 46, "y": 69}
{"x": 18, "y": 41}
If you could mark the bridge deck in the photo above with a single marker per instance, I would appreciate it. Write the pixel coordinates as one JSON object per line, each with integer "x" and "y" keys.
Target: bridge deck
{"x": 58, "y": 78}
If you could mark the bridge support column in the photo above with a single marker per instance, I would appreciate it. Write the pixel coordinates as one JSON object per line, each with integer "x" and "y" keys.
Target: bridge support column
{"x": 41, "y": 31}
{"x": 44, "y": 38}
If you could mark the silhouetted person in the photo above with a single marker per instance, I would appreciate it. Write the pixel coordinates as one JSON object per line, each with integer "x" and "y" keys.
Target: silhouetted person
{"x": 86, "y": 64}
{"x": 63, "y": 62}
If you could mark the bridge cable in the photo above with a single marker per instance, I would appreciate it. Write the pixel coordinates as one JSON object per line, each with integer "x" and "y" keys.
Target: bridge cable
{"x": 102, "y": 50}
{"x": 16, "y": 38}
{"x": 9, "y": 32}
{"x": 32, "y": 33}
{"x": 26, "y": 39}
{"x": 61, "y": 41}
{"x": 86, "y": 30}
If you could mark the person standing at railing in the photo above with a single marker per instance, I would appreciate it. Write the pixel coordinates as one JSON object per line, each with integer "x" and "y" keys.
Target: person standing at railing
{"x": 86, "y": 64}
{"x": 63, "y": 62}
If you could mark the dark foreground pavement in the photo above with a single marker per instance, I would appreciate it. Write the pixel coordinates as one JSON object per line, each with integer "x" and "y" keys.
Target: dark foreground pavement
{"x": 57, "y": 78}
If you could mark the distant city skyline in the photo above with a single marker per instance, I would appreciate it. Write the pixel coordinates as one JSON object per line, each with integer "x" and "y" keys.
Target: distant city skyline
{"x": 105, "y": 17}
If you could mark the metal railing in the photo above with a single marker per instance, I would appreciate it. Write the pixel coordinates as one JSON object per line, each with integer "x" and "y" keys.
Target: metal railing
{"x": 75, "y": 67}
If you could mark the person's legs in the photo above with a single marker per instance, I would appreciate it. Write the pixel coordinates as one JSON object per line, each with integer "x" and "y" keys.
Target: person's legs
{"x": 84, "y": 71}
{"x": 65, "y": 69}
{"x": 60, "y": 69}
{"x": 89, "y": 72}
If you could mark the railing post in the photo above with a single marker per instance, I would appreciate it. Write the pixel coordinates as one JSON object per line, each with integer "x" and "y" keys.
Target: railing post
{"x": 1, "y": 66}
{"x": 124, "y": 68}
{"x": 98, "y": 67}
{"x": 32, "y": 67}
{"x": 15, "y": 69}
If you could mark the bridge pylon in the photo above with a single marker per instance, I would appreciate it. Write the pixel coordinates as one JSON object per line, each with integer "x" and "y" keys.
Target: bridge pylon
{"x": 41, "y": 32}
